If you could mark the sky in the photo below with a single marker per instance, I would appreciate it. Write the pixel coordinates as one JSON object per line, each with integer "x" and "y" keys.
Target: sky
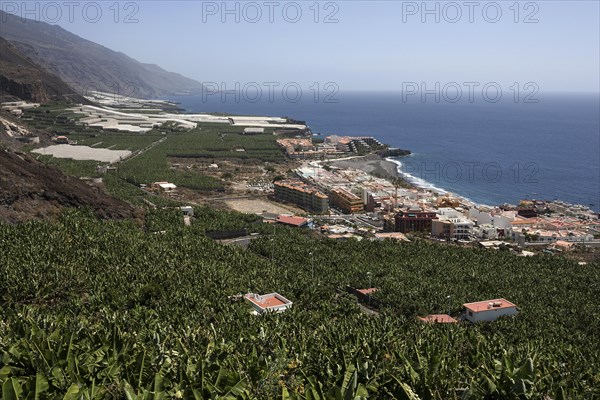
{"x": 358, "y": 45}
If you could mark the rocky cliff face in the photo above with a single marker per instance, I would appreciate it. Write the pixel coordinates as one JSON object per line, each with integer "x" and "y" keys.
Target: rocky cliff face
{"x": 20, "y": 77}
{"x": 32, "y": 91}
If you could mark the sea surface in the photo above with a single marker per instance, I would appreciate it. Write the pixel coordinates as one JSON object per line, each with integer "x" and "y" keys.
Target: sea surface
{"x": 490, "y": 153}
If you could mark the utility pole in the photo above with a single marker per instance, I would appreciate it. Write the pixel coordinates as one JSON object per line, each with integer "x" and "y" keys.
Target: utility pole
{"x": 448, "y": 297}
{"x": 312, "y": 264}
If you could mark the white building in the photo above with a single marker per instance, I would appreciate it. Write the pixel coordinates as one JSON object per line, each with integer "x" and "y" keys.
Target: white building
{"x": 497, "y": 220}
{"x": 545, "y": 236}
{"x": 187, "y": 210}
{"x": 486, "y": 231}
{"x": 408, "y": 193}
{"x": 254, "y": 131}
{"x": 448, "y": 213}
{"x": 165, "y": 186}
{"x": 452, "y": 228}
{"x": 272, "y": 302}
{"x": 489, "y": 310}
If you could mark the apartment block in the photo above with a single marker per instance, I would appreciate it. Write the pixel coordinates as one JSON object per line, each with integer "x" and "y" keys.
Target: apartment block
{"x": 346, "y": 201}
{"x": 306, "y": 196}
{"x": 414, "y": 221}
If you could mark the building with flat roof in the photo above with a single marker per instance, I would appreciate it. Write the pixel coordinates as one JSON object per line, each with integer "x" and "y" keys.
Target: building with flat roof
{"x": 254, "y": 131}
{"x": 414, "y": 221}
{"x": 354, "y": 144}
{"x": 346, "y": 201}
{"x": 61, "y": 140}
{"x": 452, "y": 228}
{"x": 272, "y": 302}
{"x": 438, "y": 319}
{"x": 539, "y": 236}
{"x": 363, "y": 295}
{"x": 367, "y": 291}
{"x": 298, "y": 222}
{"x": 187, "y": 210}
{"x": 165, "y": 186}
{"x": 306, "y": 196}
{"x": 398, "y": 236}
{"x": 489, "y": 310}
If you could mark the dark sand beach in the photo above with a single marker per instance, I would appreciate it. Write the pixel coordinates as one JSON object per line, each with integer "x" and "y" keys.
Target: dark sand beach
{"x": 372, "y": 164}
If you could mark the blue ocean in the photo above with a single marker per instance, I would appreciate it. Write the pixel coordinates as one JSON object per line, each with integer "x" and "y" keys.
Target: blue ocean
{"x": 491, "y": 153}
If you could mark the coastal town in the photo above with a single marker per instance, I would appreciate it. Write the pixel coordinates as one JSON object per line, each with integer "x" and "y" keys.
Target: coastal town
{"x": 394, "y": 203}
{"x": 345, "y": 187}
{"x": 361, "y": 203}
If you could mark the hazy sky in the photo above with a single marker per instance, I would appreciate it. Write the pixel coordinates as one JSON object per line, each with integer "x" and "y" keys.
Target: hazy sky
{"x": 359, "y": 45}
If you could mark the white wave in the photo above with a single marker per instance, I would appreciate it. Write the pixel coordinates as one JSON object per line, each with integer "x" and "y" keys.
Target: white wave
{"x": 423, "y": 184}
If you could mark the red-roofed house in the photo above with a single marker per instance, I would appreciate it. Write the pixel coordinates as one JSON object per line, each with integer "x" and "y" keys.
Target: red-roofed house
{"x": 364, "y": 295}
{"x": 438, "y": 319}
{"x": 366, "y": 291}
{"x": 297, "y": 222}
{"x": 489, "y": 310}
{"x": 272, "y": 302}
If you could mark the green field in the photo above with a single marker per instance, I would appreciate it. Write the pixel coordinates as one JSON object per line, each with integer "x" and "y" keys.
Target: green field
{"x": 96, "y": 310}
{"x": 121, "y": 189}
{"x": 78, "y": 168}
{"x": 222, "y": 141}
{"x": 204, "y": 143}
{"x": 117, "y": 141}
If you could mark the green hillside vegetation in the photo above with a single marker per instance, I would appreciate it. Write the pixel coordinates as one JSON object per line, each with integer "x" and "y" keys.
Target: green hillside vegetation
{"x": 117, "y": 141}
{"x": 93, "y": 310}
{"x": 202, "y": 143}
{"x": 219, "y": 141}
{"x": 78, "y": 168}
{"x": 123, "y": 190}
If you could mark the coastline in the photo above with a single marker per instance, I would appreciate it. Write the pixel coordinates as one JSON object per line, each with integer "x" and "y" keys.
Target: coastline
{"x": 554, "y": 181}
{"x": 371, "y": 164}
{"x": 391, "y": 168}
{"x": 388, "y": 168}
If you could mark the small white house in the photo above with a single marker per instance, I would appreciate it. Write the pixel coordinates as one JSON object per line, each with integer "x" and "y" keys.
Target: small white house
{"x": 187, "y": 210}
{"x": 165, "y": 186}
{"x": 272, "y": 302}
{"x": 489, "y": 310}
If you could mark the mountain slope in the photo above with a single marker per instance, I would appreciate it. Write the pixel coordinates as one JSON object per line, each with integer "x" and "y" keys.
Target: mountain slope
{"x": 31, "y": 190}
{"x": 87, "y": 65}
{"x": 20, "y": 77}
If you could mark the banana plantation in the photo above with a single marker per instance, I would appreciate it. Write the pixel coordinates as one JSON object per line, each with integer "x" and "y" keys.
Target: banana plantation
{"x": 92, "y": 309}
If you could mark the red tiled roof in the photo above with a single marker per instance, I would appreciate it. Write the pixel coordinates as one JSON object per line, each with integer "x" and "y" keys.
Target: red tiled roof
{"x": 268, "y": 300}
{"x": 562, "y": 243}
{"x": 367, "y": 291}
{"x": 525, "y": 221}
{"x": 288, "y": 220}
{"x": 438, "y": 318}
{"x": 496, "y": 304}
